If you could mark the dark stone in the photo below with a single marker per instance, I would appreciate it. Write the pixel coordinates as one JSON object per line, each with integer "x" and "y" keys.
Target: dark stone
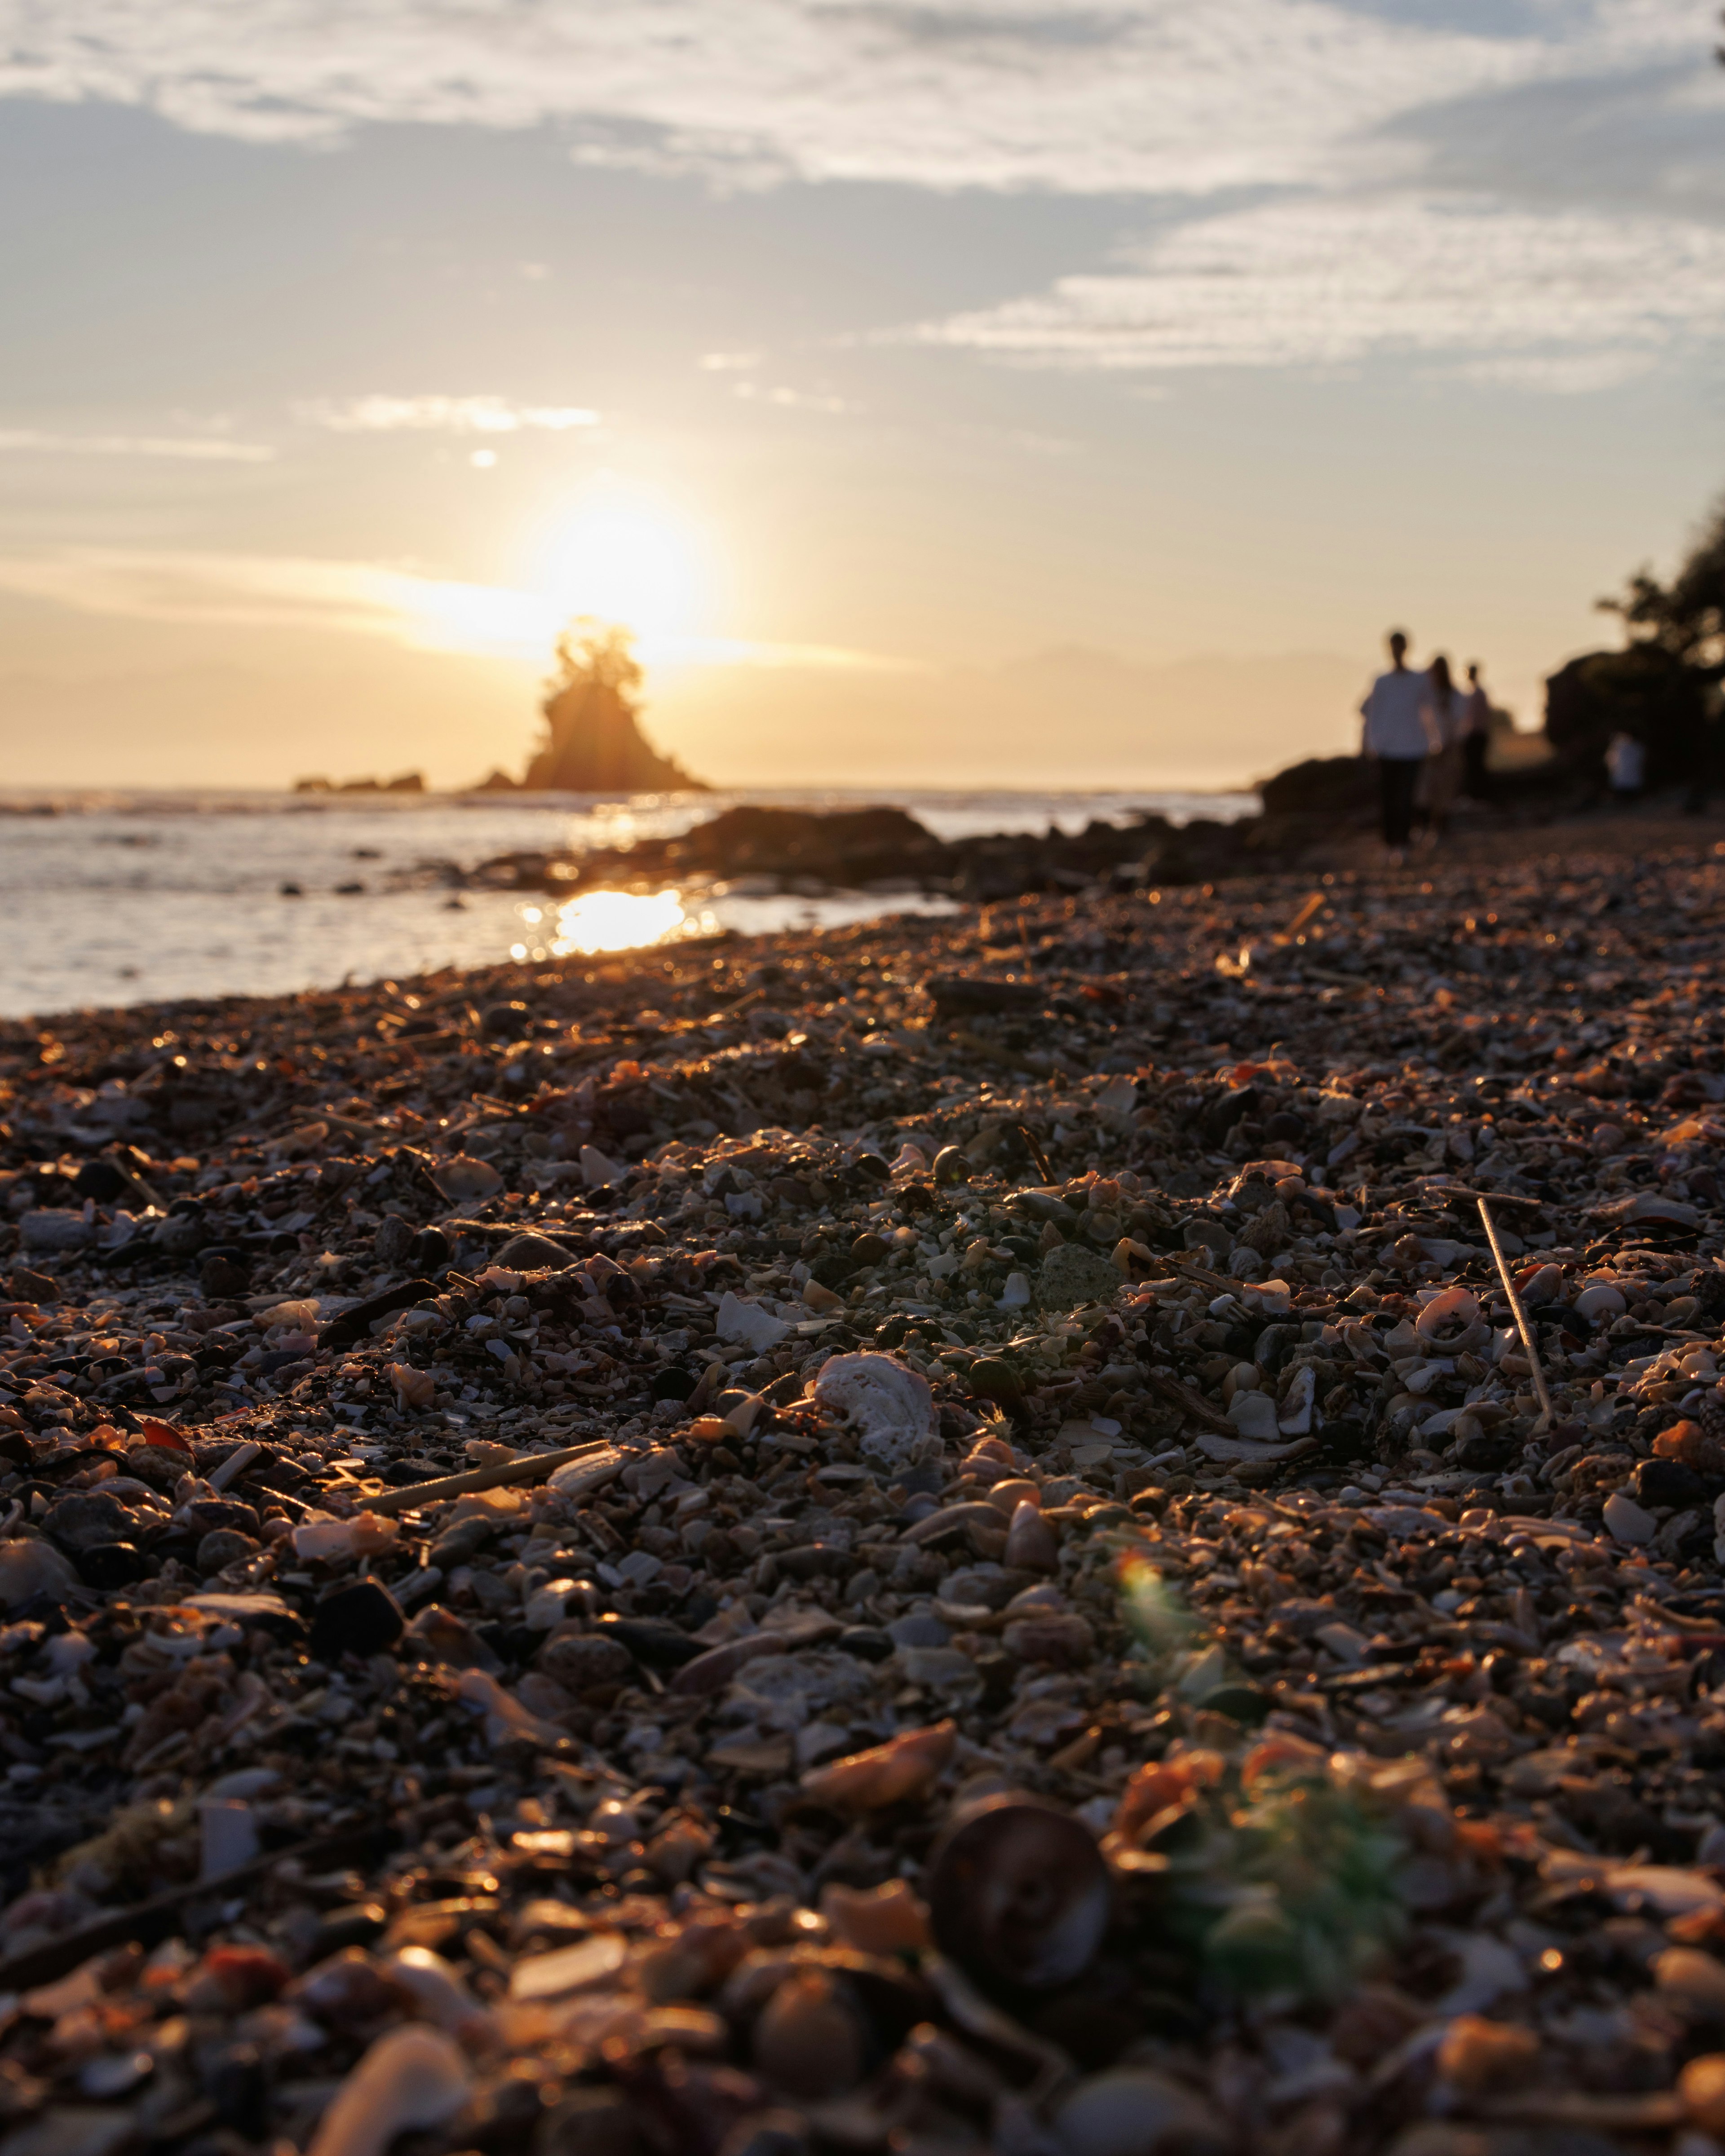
{"x": 658, "y": 1647}
{"x": 208, "y": 1514}
{"x": 431, "y": 1250}
{"x": 1225, "y": 1111}
{"x": 504, "y": 1021}
{"x": 1243, "y": 1703}
{"x": 1273, "y": 1347}
{"x": 108, "y": 1565}
{"x": 1669, "y": 1482}
{"x": 101, "y": 1180}
{"x": 86, "y": 1517}
{"x": 1490, "y": 1451}
{"x": 583, "y": 1661}
{"x": 223, "y": 1278}
{"x": 364, "y": 1619}
{"x": 674, "y": 1383}
{"x": 867, "y": 1642}
{"x": 357, "y": 1925}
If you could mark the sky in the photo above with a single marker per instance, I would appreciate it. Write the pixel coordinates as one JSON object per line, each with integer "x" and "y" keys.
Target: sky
{"x": 998, "y": 392}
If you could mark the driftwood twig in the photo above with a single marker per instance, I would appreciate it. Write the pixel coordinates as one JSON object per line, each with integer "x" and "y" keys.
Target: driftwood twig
{"x": 1522, "y": 1327}
{"x": 530, "y": 1467}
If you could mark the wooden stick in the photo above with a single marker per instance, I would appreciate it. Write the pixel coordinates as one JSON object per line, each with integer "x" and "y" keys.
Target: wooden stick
{"x": 54, "y": 1958}
{"x": 529, "y": 1468}
{"x": 1515, "y": 1303}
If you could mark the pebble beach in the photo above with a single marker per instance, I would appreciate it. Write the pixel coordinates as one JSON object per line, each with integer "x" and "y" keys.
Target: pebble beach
{"x": 940, "y": 1538}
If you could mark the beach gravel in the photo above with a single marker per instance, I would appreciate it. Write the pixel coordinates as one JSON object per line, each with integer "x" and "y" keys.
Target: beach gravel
{"x": 550, "y": 1516}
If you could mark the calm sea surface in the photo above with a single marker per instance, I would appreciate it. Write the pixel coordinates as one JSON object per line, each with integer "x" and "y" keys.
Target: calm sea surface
{"x": 115, "y": 899}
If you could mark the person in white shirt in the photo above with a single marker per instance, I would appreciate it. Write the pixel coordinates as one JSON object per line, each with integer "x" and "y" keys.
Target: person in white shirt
{"x": 1400, "y": 732}
{"x": 1626, "y": 765}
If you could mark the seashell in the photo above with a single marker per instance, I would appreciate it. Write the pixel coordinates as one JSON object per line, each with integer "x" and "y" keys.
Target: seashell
{"x": 1453, "y": 1308}
{"x": 410, "y": 2079}
{"x": 466, "y": 1180}
{"x": 1011, "y": 1491}
{"x": 1701, "y": 2086}
{"x": 1539, "y": 1284}
{"x": 990, "y": 1461}
{"x": 413, "y": 1388}
{"x": 888, "y": 1920}
{"x": 1627, "y": 1522}
{"x": 888, "y": 1405}
{"x": 505, "y": 1717}
{"x": 886, "y": 1773}
{"x": 1599, "y": 1299}
{"x": 809, "y": 2039}
{"x": 1137, "y": 2112}
{"x": 28, "y": 1567}
{"x": 1254, "y": 1415}
{"x": 1692, "y": 1981}
{"x": 361, "y": 1536}
{"x": 1478, "y": 2057}
{"x": 439, "y": 1995}
{"x": 1018, "y": 1894}
{"x": 1031, "y": 1542}
{"x": 951, "y": 1166}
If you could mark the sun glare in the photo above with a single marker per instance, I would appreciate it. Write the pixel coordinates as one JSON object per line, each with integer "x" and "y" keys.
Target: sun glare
{"x": 616, "y": 920}
{"x": 623, "y": 559}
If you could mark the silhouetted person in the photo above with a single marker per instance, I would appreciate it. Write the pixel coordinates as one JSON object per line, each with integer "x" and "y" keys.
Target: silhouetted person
{"x": 1440, "y": 781}
{"x": 1476, "y": 735}
{"x": 1400, "y": 734}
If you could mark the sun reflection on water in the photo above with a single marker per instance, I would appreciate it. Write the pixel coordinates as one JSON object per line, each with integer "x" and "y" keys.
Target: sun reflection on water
{"x": 610, "y": 921}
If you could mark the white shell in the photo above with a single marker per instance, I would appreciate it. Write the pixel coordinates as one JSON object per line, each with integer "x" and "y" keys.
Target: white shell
{"x": 1454, "y": 1307}
{"x": 886, "y": 1403}
{"x": 1627, "y": 1521}
{"x": 411, "y": 2077}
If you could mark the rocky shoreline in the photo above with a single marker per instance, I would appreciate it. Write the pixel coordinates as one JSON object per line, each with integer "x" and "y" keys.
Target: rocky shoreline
{"x": 939, "y": 1538}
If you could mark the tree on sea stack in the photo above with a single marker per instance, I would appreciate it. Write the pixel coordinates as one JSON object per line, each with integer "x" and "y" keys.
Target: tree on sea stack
{"x": 594, "y": 742}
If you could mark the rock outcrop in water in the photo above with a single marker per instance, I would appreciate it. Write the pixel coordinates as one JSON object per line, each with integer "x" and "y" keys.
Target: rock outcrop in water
{"x": 594, "y": 742}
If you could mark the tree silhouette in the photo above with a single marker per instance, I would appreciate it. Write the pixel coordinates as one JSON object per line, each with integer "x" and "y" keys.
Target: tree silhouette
{"x": 1685, "y": 618}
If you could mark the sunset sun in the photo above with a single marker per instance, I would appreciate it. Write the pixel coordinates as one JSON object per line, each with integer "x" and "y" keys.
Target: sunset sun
{"x": 623, "y": 558}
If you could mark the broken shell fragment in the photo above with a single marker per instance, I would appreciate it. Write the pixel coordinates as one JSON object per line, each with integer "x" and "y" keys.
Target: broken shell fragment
{"x": 29, "y": 1568}
{"x": 410, "y": 2079}
{"x": 1017, "y": 1893}
{"x": 467, "y": 1180}
{"x": 886, "y": 1773}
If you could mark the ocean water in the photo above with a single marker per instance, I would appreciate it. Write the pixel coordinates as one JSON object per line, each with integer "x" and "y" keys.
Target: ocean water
{"x": 111, "y": 899}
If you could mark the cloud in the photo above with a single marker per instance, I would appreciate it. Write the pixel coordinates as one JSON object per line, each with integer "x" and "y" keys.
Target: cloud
{"x": 1084, "y": 96}
{"x": 198, "y": 449}
{"x": 1463, "y": 177}
{"x": 403, "y": 606}
{"x": 450, "y": 415}
{"x": 1570, "y": 300}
